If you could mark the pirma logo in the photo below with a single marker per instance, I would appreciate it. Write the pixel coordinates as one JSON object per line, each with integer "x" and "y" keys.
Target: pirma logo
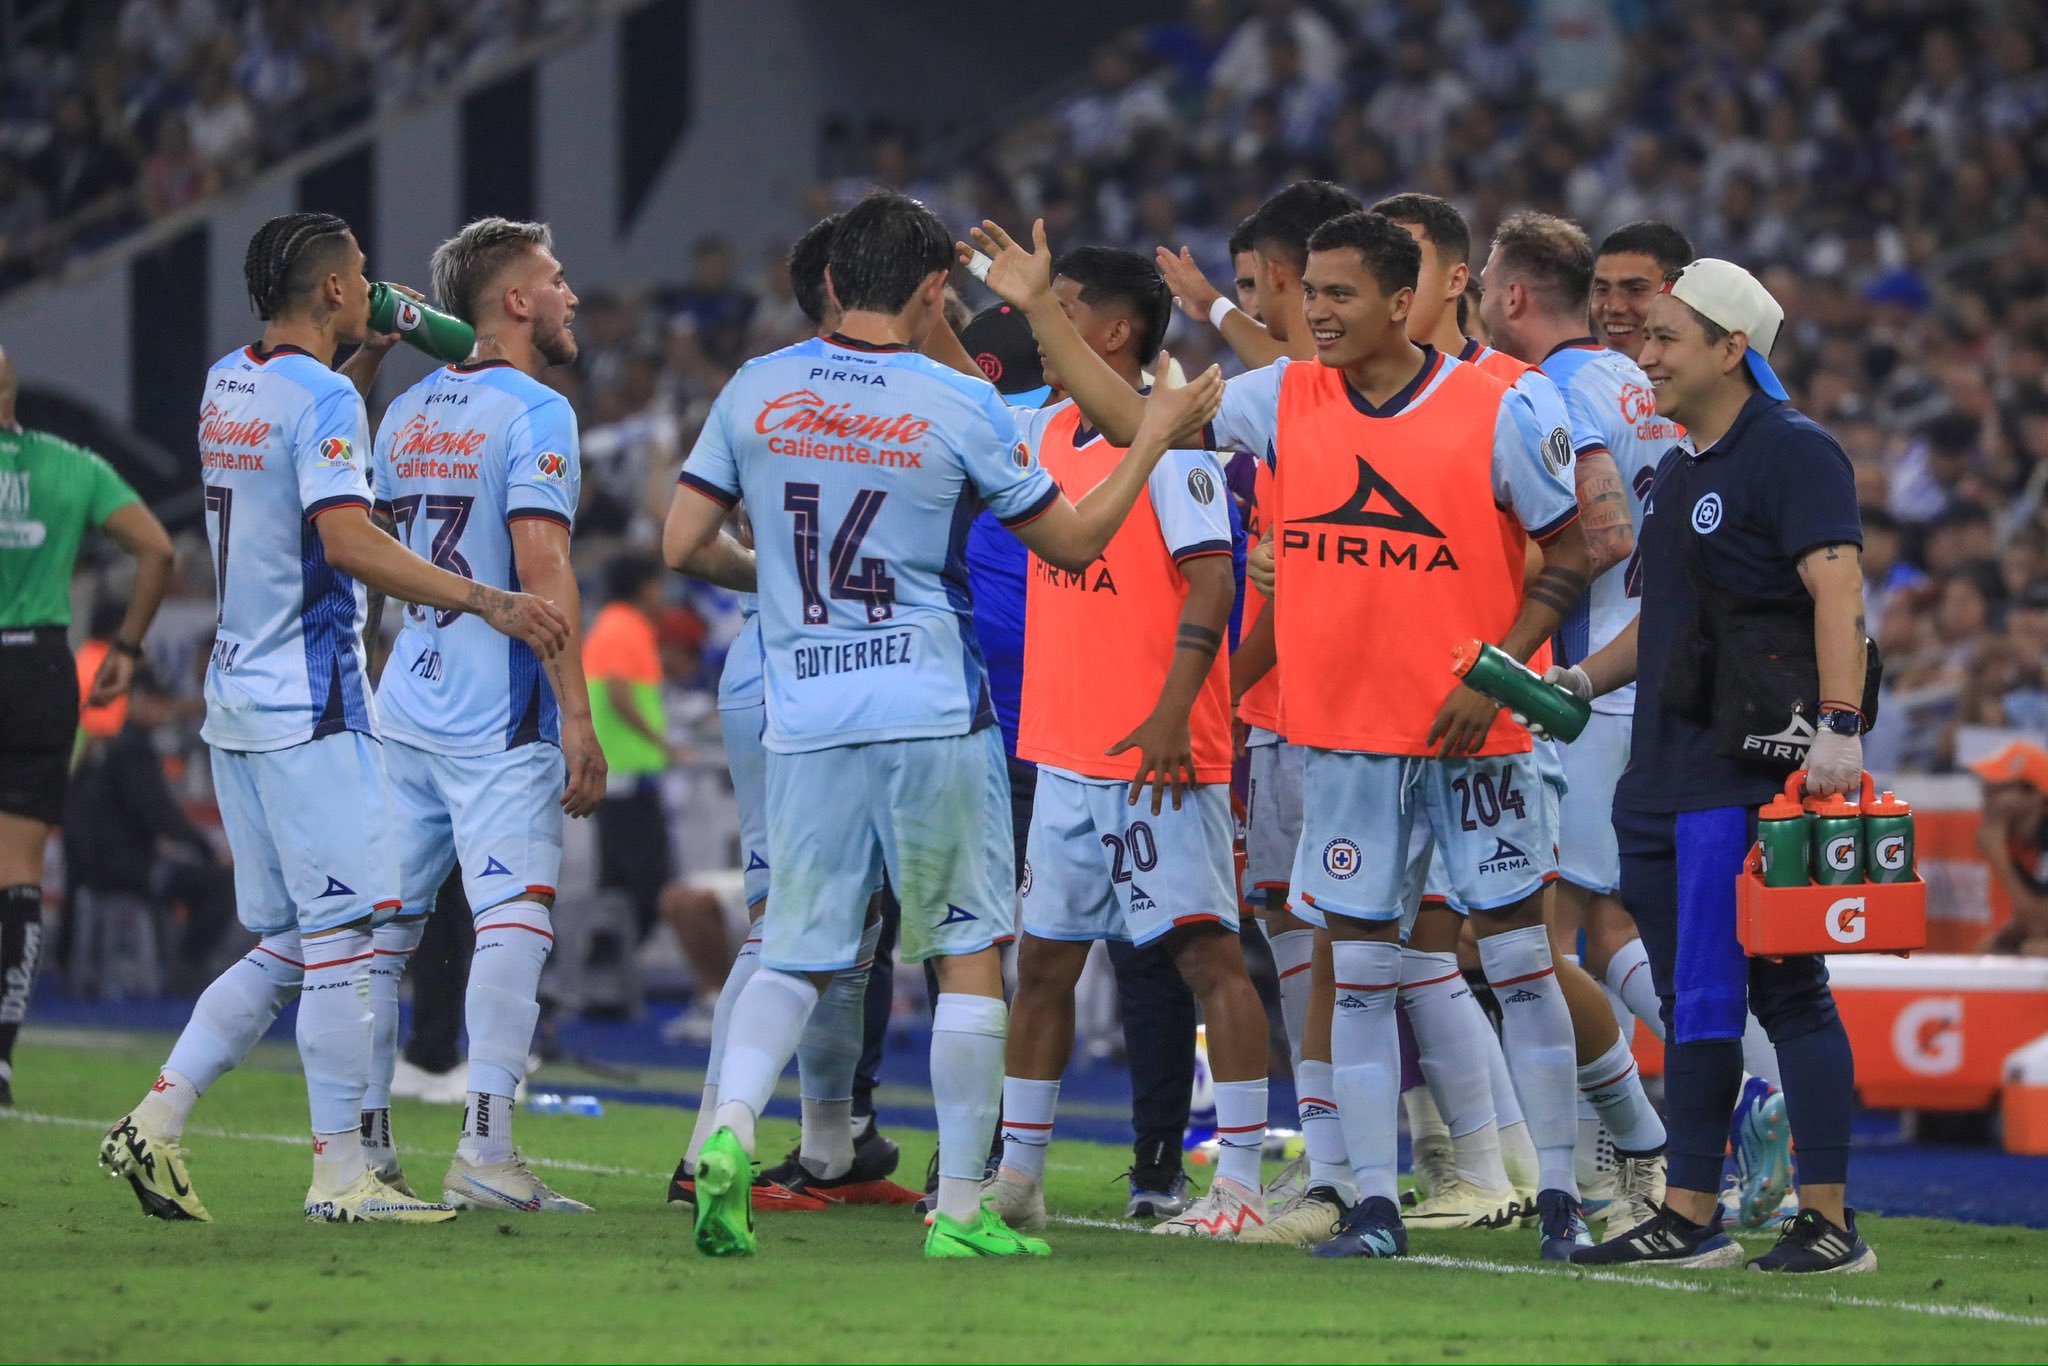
{"x": 1340, "y": 859}
{"x": 1706, "y": 514}
{"x": 1505, "y": 858}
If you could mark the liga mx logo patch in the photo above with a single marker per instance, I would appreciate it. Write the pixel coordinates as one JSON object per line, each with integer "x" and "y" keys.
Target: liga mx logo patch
{"x": 1201, "y": 487}
{"x": 553, "y": 465}
{"x": 1340, "y": 859}
{"x": 336, "y": 450}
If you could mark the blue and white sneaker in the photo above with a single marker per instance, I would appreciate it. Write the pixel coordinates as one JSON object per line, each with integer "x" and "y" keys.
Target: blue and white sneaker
{"x": 1373, "y": 1228}
{"x": 1666, "y": 1240}
{"x": 1564, "y": 1225}
{"x": 1810, "y": 1245}
{"x": 1762, "y": 1139}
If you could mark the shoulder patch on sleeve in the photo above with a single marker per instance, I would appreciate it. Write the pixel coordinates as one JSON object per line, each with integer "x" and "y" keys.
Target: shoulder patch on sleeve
{"x": 1201, "y": 486}
{"x": 1557, "y": 450}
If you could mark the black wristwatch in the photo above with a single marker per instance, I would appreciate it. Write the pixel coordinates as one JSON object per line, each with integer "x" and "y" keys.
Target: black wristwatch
{"x": 1841, "y": 722}
{"x": 132, "y": 651}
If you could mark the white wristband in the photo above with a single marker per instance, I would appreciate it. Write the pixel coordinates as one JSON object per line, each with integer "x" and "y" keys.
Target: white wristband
{"x": 1220, "y": 310}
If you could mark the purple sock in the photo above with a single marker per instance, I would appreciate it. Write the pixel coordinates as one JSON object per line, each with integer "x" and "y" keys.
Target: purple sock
{"x": 1411, "y": 1057}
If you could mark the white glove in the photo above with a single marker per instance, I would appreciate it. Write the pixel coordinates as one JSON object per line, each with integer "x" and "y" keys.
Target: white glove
{"x": 1834, "y": 763}
{"x": 1572, "y": 680}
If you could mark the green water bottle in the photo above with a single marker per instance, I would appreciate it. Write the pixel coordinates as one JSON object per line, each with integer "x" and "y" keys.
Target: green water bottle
{"x": 427, "y": 329}
{"x": 1781, "y": 828}
{"x": 1888, "y": 840}
{"x": 1493, "y": 671}
{"x": 1837, "y": 826}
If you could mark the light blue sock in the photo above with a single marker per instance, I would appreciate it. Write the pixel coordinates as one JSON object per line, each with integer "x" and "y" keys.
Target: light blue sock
{"x": 826, "y": 1059}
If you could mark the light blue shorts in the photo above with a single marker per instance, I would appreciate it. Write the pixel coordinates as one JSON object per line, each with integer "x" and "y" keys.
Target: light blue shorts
{"x": 1587, "y": 855}
{"x": 1492, "y": 821}
{"x": 311, "y": 828}
{"x": 1099, "y": 868}
{"x": 748, "y": 760}
{"x": 1272, "y": 814}
{"x": 933, "y": 813}
{"x": 1429, "y": 878}
{"x": 499, "y": 814}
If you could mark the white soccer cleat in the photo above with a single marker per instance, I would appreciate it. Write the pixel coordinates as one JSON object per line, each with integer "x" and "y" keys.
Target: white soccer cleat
{"x": 393, "y": 1175}
{"x": 1458, "y": 1204}
{"x": 370, "y": 1201}
{"x": 1312, "y": 1216}
{"x": 155, "y": 1170}
{"x": 1638, "y": 1191}
{"x": 1288, "y": 1187}
{"x": 1433, "y": 1162}
{"x": 1017, "y": 1201}
{"x": 508, "y": 1186}
{"x": 1225, "y": 1213}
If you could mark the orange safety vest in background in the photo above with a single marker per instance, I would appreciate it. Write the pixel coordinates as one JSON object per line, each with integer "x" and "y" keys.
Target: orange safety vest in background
{"x": 1098, "y": 644}
{"x": 1392, "y": 554}
{"x": 1260, "y": 705}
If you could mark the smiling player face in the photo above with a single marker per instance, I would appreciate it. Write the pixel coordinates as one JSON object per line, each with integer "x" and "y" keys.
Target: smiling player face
{"x": 1350, "y": 318}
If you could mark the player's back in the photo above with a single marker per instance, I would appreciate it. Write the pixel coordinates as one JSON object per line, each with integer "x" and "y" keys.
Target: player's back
{"x": 1611, "y": 407}
{"x": 862, "y": 470}
{"x": 461, "y": 456}
{"x": 282, "y": 439}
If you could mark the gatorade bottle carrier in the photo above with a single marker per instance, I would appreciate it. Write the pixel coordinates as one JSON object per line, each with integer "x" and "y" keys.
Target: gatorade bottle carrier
{"x": 1857, "y": 917}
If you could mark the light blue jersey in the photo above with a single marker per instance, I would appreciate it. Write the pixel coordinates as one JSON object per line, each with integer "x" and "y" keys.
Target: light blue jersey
{"x": 739, "y": 682}
{"x": 282, "y": 439}
{"x": 862, "y": 469}
{"x": 461, "y": 456}
{"x": 1612, "y": 409}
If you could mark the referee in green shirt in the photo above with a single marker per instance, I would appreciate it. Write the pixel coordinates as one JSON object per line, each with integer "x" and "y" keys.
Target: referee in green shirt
{"x": 50, "y": 492}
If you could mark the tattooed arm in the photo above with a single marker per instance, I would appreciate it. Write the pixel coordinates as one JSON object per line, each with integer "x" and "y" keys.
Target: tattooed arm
{"x": 1603, "y": 512}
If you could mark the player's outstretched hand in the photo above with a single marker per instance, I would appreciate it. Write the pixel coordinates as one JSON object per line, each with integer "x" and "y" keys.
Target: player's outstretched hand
{"x": 1191, "y": 289}
{"x": 1019, "y": 276}
{"x": 1461, "y": 724}
{"x": 1166, "y": 754}
{"x": 379, "y": 342}
{"x": 1176, "y": 414}
{"x": 1258, "y": 566}
{"x": 523, "y": 616}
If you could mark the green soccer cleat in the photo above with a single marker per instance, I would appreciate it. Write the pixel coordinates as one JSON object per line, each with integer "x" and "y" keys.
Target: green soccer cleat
{"x": 988, "y": 1236}
{"x": 725, "y": 1204}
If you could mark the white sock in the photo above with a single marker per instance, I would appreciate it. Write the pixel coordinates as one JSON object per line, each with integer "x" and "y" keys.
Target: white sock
{"x": 1586, "y": 1149}
{"x": 1628, "y": 976}
{"x": 391, "y": 948}
{"x": 767, "y": 1021}
{"x": 1613, "y": 1086}
{"x": 1322, "y": 1133}
{"x": 337, "y": 1158}
{"x": 1029, "y": 1107}
{"x": 502, "y": 1004}
{"x": 1518, "y": 1156}
{"x": 1365, "y": 1056}
{"x": 1507, "y": 1106}
{"x": 1536, "y": 1036}
{"x": 375, "y": 1134}
{"x": 1240, "y": 1131}
{"x": 334, "y": 1033}
{"x": 1759, "y": 1054}
{"x": 827, "y": 1057}
{"x": 1291, "y": 952}
{"x": 1450, "y": 1038}
{"x": 744, "y": 964}
{"x": 486, "y": 1129}
{"x": 967, "y": 1091}
{"x": 232, "y": 1014}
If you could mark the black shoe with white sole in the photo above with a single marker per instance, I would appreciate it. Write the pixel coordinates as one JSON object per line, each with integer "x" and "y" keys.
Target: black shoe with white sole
{"x": 1668, "y": 1239}
{"x": 1812, "y": 1244}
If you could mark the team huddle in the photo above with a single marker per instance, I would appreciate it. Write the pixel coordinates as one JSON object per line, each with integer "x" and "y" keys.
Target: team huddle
{"x": 1396, "y": 490}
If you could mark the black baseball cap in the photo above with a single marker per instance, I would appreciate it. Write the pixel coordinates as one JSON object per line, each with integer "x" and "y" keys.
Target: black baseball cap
{"x": 1002, "y": 345}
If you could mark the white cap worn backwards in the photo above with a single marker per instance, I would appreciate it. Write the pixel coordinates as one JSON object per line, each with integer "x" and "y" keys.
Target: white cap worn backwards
{"x": 1734, "y": 300}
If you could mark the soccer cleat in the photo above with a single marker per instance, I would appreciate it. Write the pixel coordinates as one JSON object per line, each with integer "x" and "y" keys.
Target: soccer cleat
{"x": 1225, "y": 1213}
{"x": 1638, "y": 1190}
{"x": 1016, "y": 1201}
{"x": 1373, "y": 1228}
{"x": 855, "y": 1187}
{"x": 725, "y": 1210}
{"x": 767, "y": 1197}
{"x": 509, "y": 1185}
{"x": 370, "y": 1201}
{"x": 1811, "y": 1244}
{"x": 987, "y": 1236}
{"x": 1667, "y": 1240}
{"x": 1762, "y": 1139}
{"x": 1457, "y": 1204}
{"x": 1312, "y": 1216}
{"x": 1288, "y": 1187}
{"x": 155, "y": 1168}
{"x": 1564, "y": 1226}
{"x": 1433, "y": 1163}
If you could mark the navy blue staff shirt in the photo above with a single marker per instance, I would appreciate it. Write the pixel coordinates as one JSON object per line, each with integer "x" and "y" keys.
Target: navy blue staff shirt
{"x": 1774, "y": 487}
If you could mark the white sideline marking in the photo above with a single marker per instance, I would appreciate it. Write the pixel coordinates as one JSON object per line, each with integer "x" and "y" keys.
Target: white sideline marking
{"x": 1650, "y": 1280}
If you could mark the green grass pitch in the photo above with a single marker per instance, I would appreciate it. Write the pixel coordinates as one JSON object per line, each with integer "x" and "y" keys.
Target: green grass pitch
{"x": 88, "y": 1278}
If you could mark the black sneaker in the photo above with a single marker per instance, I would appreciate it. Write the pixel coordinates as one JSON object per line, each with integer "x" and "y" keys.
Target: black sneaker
{"x": 1372, "y": 1228}
{"x": 682, "y": 1187}
{"x": 1666, "y": 1239}
{"x": 768, "y": 1197}
{"x": 866, "y": 1182}
{"x": 929, "y": 1201}
{"x": 1810, "y": 1244}
{"x": 1159, "y": 1186}
{"x": 1564, "y": 1226}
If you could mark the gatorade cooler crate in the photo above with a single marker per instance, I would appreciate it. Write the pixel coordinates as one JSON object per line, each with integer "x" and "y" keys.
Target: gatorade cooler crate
{"x": 2026, "y": 1099}
{"x": 1859, "y": 917}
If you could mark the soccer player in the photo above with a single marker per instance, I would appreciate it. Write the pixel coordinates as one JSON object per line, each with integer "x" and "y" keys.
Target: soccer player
{"x": 1100, "y": 866}
{"x": 299, "y": 775}
{"x": 863, "y": 464}
{"x": 1244, "y": 268}
{"x": 488, "y": 748}
{"x": 1414, "y": 528}
{"x": 50, "y": 493}
{"x": 1628, "y": 270}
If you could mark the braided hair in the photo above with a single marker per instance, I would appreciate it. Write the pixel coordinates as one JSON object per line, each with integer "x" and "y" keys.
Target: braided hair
{"x": 275, "y": 268}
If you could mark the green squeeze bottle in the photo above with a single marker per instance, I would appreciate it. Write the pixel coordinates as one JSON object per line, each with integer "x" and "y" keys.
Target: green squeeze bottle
{"x": 1781, "y": 828}
{"x": 445, "y": 338}
{"x": 1888, "y": 840}
{"x": 1493, "y": 671}
{"x": 1837, "y": 841}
